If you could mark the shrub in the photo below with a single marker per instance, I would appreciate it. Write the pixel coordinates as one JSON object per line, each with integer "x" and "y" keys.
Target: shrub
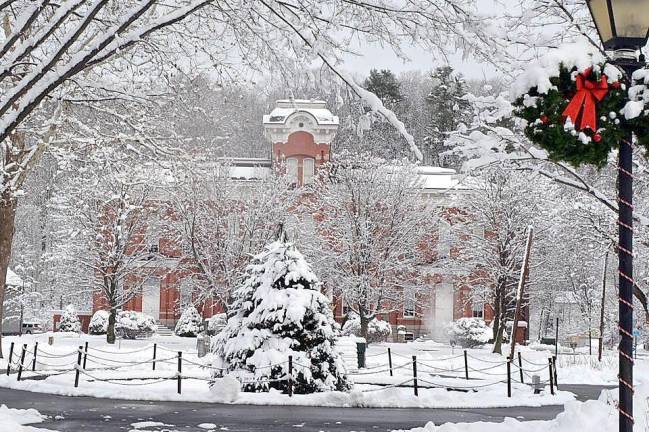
{"x": 131, "y": 324}
{"x": 70, "y": 321}
{"x": 377, "y": 330}
{"x": 470, "y": 332}
{"x": 99, "y": 323}
{"x": 216, "y": 323}
{"x": 190, "y": 323}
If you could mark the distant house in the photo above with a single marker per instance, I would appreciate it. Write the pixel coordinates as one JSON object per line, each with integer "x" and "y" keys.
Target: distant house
{"x": 11, "y": 312}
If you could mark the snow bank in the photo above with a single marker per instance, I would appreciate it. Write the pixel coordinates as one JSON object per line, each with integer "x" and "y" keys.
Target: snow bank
{"x": 597, "y": 415}
{"x": 14, "y": 420}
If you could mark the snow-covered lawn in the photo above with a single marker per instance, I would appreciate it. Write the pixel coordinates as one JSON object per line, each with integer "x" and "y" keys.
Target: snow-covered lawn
{"x": 440, "y": 375}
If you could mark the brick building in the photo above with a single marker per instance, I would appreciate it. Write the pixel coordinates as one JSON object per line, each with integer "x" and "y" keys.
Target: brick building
{"x": 300, "y": 133}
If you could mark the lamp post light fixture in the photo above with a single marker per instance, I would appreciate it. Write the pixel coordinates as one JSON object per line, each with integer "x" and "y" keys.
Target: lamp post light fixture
{"x": 623, "y": 27}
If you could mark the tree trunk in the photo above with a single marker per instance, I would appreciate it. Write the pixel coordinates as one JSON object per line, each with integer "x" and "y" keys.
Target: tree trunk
{"x": 110, "y": 332}
{"x": 7, "y": 224}
{"x": 498, "y": 342}
{"x": 364, "y": 327}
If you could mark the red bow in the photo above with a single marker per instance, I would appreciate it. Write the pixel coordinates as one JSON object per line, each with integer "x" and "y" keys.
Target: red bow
{"x": 581, "y": 108}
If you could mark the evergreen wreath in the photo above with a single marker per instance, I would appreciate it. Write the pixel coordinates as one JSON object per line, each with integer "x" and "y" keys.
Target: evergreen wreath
{"x": 579, "y": 120}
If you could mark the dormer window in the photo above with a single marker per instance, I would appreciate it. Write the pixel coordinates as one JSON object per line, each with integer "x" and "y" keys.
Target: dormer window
{"x": 291, "y": 170}
{"x": 308, "y": 169}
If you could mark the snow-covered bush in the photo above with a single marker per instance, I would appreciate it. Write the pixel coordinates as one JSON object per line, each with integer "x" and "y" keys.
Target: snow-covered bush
{"x": 131, "y": 324}
{"x": 190, "y": 323}
{"x": 70, "y": 320}
{"x": 377, "y": 330}
{"x": 216, "y": 323}
{"x": 279, "y": 312}
{"x": 470, "y": 332}
{"x": 99, "y": 323}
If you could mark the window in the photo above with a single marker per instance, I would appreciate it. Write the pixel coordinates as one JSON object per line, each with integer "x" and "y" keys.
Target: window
{"x": 309, "y": 170}
{"x": 233, "y": 224}
{"x": 291, "y": 169}
{"x": 478, "y": 309}
{"x": 444, "y": 241}
{"x": 409, "y": 337}
{"x": 409, "y": 305}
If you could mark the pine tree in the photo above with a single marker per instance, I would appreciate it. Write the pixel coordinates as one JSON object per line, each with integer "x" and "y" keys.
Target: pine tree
{"x": 69, "y": 320}
{"x": 447, "y": 109}
{"x": 279, "y": 311}
{"x": 190, "y": 323}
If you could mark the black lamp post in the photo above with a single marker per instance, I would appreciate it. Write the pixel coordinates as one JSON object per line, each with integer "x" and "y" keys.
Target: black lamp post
{"x": 623, "y": 27}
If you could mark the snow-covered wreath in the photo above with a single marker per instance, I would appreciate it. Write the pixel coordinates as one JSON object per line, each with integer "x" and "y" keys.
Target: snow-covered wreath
{"x": 581, "y": 113}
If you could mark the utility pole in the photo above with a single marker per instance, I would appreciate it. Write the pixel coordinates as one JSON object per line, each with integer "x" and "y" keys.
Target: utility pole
{"x": 601, "y": 310}
{"x": 525, "y": 271}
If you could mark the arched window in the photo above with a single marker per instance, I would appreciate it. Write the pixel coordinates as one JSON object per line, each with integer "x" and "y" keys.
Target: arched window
{"x": 309, "y": 170}
{"x": 291, "y": 169}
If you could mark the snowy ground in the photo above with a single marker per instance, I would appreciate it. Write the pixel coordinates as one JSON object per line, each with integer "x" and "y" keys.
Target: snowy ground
{"x": 125, "y": 371}
{"x": 15, "y": 420}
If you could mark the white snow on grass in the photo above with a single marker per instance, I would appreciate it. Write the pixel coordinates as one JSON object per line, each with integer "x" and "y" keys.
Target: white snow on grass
{"x": 15, "y": 420}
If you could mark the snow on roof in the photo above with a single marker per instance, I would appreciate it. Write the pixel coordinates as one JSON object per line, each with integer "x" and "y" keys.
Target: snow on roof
{"x": 437, "y": 178}
{"x": 13, "y": 279}
{"x": 249, "y": 172}
{"x": 285, "y": 108}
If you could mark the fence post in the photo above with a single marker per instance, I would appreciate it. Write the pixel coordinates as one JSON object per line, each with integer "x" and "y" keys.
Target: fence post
{"x": 361, "y": 347}
{"x": 22, "y": 359}
{"x": 35, "y": 353}
{"x": 520, "y": 366}
{"x": 389, "y": 360}
{"x": 180, "y": 369}
{"x": 290, "y": 376}
{"x": 155, "y": 349}
{"x": 554, "y": 368}
{"x": 414, "y": 375}
{"x": 551, "y": 376}
{"x": 509, "y": 377}
{"x": 11, "y": 353}
{"x": 85, "y": 355}
{"x": 466, "y": 365}
{"x": 78, "y": 368}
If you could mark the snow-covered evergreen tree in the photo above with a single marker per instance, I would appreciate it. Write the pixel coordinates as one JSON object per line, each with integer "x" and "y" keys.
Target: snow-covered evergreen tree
{"x": 69, "y": 320}
{"x": 279, "y": 311}
{"x": 190, "y": 323}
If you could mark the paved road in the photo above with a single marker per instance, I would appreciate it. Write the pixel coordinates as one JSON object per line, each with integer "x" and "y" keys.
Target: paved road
{"x": 84, "y": 414}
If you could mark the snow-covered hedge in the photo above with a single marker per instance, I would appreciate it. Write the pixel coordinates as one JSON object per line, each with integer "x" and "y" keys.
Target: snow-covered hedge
{"x": 70, "y": 320}
{"x": 470, "y": 332}
{"x": 216, "y": 323}
{"x": 99, "y": 323}
{"x": 190, "y": 323}
{"x": 377, "y": 330}
{"x": 131, "y": 324}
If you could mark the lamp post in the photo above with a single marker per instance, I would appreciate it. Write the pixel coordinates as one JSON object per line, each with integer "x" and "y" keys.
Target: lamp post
{"x": 623, "y": 27}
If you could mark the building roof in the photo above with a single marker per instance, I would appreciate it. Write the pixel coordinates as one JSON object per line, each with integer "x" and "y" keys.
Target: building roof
{"x": 286, "y": 107}
{"x": 440, "y": 179}
{"x": 13, "y": 279}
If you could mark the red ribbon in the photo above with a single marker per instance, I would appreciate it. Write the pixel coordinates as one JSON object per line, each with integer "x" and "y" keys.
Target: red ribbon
{"x": 581, "y": 108}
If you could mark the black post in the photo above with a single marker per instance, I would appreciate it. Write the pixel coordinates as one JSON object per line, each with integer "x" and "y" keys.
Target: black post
{"x": 155, "y": 349}
{"x": 466, "y": 366}
{"x": 85, "y": 355}
{"x": 509, "y": 377}
{"x": 556, "y": 337}
{"x": 551, "y": 376}
{"x": 22, "y": 359}
{"x": 625, "y": 255}
{"x": 78, "y": 368}
{"x": 390, "y": 360}
{"x": 35, "y": 354}
{"x": 360, "y": 354}
{"x": 290, "y": 376}
{"x": 180, "y": 369}
{"x": 554, "y": 369}
{"x": 414, "y": 375}
{"x": 520, "y": 366}
{"x": 11, "y": 353}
